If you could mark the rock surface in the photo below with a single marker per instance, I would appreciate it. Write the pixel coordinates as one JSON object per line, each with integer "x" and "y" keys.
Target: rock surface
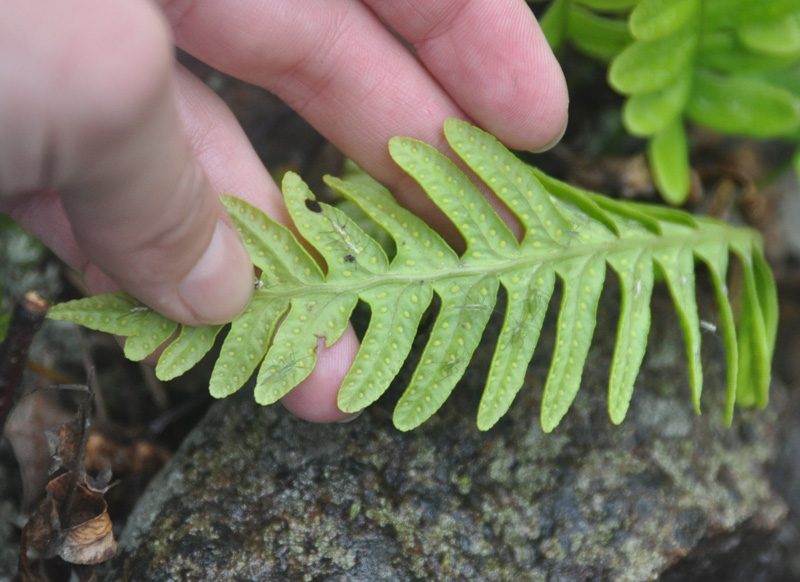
{"x": 256, "y": 494}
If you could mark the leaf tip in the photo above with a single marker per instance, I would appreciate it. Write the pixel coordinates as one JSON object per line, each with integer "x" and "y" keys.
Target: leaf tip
{"x": 486, "y": 421}
{"x": 404, "y": 419}
{"x": 548, "y": 426}
{"x": 453, "y": 124}
{"x": 550, "y": 419}
{"x": 617, "y": 416}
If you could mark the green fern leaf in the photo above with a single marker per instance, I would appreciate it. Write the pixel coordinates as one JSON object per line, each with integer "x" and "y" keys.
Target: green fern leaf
{"x": 668, "y": 153}
{"x": 735, "y": 13}
{"x": 649, "y": 66}
{"x": 645, "y": 114}
{"x": 188, "y": 348}
{"x": 607, "y": 5}
{"x": 780, "y": 37}
{"x": 598, "y": 36}
{"x": 121, "y": 315}
{"x": 554, "y": 23}
{"x": 654, "y": 19}
{"x": 743, "y": 106}
{"x": 722, "y": 64}
{"x": 570, "y": 235}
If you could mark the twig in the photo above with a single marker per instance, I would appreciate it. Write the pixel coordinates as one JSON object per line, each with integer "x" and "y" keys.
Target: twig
{"x": 26, "y": 321}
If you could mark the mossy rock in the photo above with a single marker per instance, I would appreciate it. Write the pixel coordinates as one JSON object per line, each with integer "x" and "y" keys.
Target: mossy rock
{"x": 256, "y": 494}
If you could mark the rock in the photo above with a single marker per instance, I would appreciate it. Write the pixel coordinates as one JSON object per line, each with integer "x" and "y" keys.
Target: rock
{"x": 786, "y": 482}
{"x": 256, "y": 494}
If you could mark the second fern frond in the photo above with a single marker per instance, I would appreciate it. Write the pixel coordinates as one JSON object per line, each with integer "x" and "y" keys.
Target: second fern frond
{"x": 730, "y": 66}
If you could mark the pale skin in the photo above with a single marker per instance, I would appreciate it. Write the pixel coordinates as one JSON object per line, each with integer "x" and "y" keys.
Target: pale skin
{"x": 113, "y": 155}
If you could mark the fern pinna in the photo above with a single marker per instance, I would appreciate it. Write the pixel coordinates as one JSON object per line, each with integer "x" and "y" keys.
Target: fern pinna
{"x": 569, "y": 234}
{"x": 728, "y": 65}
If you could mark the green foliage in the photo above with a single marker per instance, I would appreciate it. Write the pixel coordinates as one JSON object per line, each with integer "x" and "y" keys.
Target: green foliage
{"x": 20, "y": 269}
{"x": 727, "y": 65}
{"x": 570, "y": 235}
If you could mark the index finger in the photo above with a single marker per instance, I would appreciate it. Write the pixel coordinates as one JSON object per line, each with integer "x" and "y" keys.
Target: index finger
{"x": 492, "y": 59}
{"x": 337, "y": 64}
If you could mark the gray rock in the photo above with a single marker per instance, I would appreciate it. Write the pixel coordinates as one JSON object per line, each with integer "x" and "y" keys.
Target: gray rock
{"x": 256, "y": 494}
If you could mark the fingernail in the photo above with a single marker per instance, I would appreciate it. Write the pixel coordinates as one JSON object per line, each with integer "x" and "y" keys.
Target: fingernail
{"x": 553, "y": 143}
{"x": 220, "y": 284}
{"x": 350, "y": 418}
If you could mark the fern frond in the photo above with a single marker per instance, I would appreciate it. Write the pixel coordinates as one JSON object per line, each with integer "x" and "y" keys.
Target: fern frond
{"x": 570, "y": 235}
{"x": 721, "y": 64}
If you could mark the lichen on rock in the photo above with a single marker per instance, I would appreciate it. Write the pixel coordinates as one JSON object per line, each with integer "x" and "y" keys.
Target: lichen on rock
{"x": 256, "y": 494}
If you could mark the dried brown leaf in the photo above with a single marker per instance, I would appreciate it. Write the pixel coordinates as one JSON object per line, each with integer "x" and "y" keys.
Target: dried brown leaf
{"x": 72, "y": 522}
{"x": 26, "y": 430}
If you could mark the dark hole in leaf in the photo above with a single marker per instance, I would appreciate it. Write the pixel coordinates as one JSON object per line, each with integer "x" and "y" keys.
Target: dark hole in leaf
{"x": 349, "y": 258}
{"x": 360, "y": 318}
{"x": 313, "y": 206}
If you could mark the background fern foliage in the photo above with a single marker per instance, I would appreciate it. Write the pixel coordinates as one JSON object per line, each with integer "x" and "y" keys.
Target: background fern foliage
{"x": 730, "y": 65}
{"x": 570, "y": 235}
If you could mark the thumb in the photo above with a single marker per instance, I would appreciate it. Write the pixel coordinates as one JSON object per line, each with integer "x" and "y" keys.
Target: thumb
{"x": 141, "y": 208}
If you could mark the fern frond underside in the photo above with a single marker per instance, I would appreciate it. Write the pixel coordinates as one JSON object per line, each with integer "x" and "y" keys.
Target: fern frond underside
{"x": 570, "y": 235}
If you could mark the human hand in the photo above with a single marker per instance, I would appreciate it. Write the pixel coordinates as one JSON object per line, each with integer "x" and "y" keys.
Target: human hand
{"x": 112, "y": 155}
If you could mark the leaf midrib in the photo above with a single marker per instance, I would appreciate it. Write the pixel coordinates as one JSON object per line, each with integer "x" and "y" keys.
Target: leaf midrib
{"x": 722, "y": 235}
